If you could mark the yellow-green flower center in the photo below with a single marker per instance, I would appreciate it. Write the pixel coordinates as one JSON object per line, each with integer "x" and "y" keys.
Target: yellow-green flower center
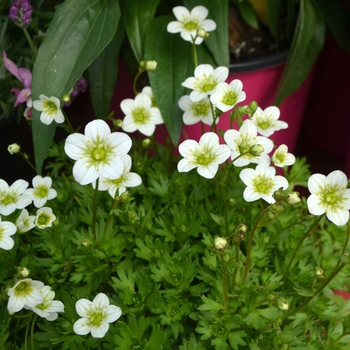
{"x": 201, "y": 108}
{"x": 99, "y": 152}
{"x": 41, "y": 191}
{"x": 280, "y": 157}
{"x": 50, "y": 107}
{"x": 205, "y": 159}
{"x": 1, "y": 232}
{"x": 230, "y": 98}
{"x": 205, "y": 84}
{"x": 332, "y": 196}
{"x": 7, "y": 200}
{"x": 23, "y": 289}
{"x": 141, "y": 115}
{"x": 263, "y": 184}
{"x": 43, "y": 219}
{"x": 190, "y": 26}
{"x": 96, "y": 318}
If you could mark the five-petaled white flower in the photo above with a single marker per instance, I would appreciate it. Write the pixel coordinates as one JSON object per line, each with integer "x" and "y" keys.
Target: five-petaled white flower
{"x": 330, "y": 195}
{"x": 7, "y": 229}
{"x": 205, "y": 155}
{"x": 140, "y": 115}
{"x": 226, "y": 96}
{"x": 188, "y": 23}
{"x": 96, "y": 316}
{"x": 196, "y": 111}
{"x": 42, "y": 191}
{"x": 13, "y": 197}
{"x": 262, "y": 182}
{"x": 97, "y": 153}
{"x": 25, "y": 222}
{"x": 50, "y": 109}
{"x": 205, "y": 80}
{"x": 48, "y": 308}
{"x": 242, "y": 141}
{"x": 267, "y": 121}
{"x": 44, "y": 217}
{"x": 25, "y": 293}
{"x": 282, "y": 158}
{"x": 127, "y": 179}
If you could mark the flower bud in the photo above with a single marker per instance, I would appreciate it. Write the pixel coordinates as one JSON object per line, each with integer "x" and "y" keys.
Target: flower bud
{"x": 151, "y": 65}
{"x": 256, "y": 150}
{"x": 318, "y": 271}
{"x": 66, "y": 98}
{"x": 14, "y": 148}
{"x": 23, "y": 272}
{"x": 118, "y": 123}
{"x": 232, "y": 202}
{"x": 86, "y": 242}
{"x": 241, "y": 232}
{"x": 125, "y": 196}
{"x": 253, "y": 106}
{"x": 202, "y": 33}
{"x": 146, "y": 142}
{"x": 220, "y": 243}
{"x": 293, "y": 198}
{"x": 283, "y": 304}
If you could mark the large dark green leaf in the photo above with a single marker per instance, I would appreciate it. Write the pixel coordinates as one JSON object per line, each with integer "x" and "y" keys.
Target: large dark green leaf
{"x": 307, "y": 43}
{"x": 138, "y": 14}
{"x": 80, "y": 30}
{"x": 337, "y": 17}
{"x": 174, "y": 65}
{"x": 217, "y": 41}
{"x": 103, "y": 75}
{"x": 247, "y": 13}
{"x": 274, "y": 7}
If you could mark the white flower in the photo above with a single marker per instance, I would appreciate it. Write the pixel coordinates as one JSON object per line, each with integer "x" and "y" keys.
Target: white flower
{"x": 25, "y": 293}
{"x": 282, "y": 158}
{"x": 50, "y": 107}
{"x": 243, "y": 140}
{"x": 188, "y": 23}
{"x": 96, "y": 316}
{"x": 13, "y": 197}
{"x": 44, "y": 218}
{"x": 127, "y": 179}
{"x": 261, "y": 182}
{"x": 205, "y": 80}
{"x": 140, "y": 115}
{"x": 48, "y": 308}
{"x": 196, "y": 111}
{"x": 42, "y": 191}
{"x": 97, "y": 153}
{"x": 7, "y": 229}
{"x": 226, "y": 96}
{"x": 205, "y": 155}
{"x": 330, "y": 195}
{"x": 267, "y": 121}
{"x": 25, "y": 222}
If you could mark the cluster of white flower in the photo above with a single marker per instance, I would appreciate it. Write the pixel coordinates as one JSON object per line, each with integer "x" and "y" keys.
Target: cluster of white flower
{"x": 18, "y": 196}
{"x": 102, "y": 156}
{"x": 35, "y": 296}
{"x": 329, "y": 195}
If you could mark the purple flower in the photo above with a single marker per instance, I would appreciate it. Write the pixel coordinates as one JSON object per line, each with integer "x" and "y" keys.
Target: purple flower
{"x": 21, "y": 12}
{"x": 22, "y": 74}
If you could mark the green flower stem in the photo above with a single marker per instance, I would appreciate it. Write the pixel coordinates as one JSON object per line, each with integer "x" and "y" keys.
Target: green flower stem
{"x": 31, "y": 44}
{"x": 235, "y": 271}
{"x": 26, "y": 158}
{"x": 27, "y": 331}
{"x": 32, "y": 331}
{"x": 213, "y": 125}
{"x": 250, "y": 243}
{"x": 68, "y": 126}
{"x": 94, "y": 210}
{"x": 319, "y": 289}
{"x": 224, "y": 281}
{"x": 115, "y": 203}
{"x": 345, "y": 244}
{"x": 317, "y": 220}
{"x": 194, "y": 53}
{"x": 135, "y": 80}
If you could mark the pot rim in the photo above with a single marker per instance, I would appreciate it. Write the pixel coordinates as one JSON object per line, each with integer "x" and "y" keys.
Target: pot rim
{"x": 268, "y": 61}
